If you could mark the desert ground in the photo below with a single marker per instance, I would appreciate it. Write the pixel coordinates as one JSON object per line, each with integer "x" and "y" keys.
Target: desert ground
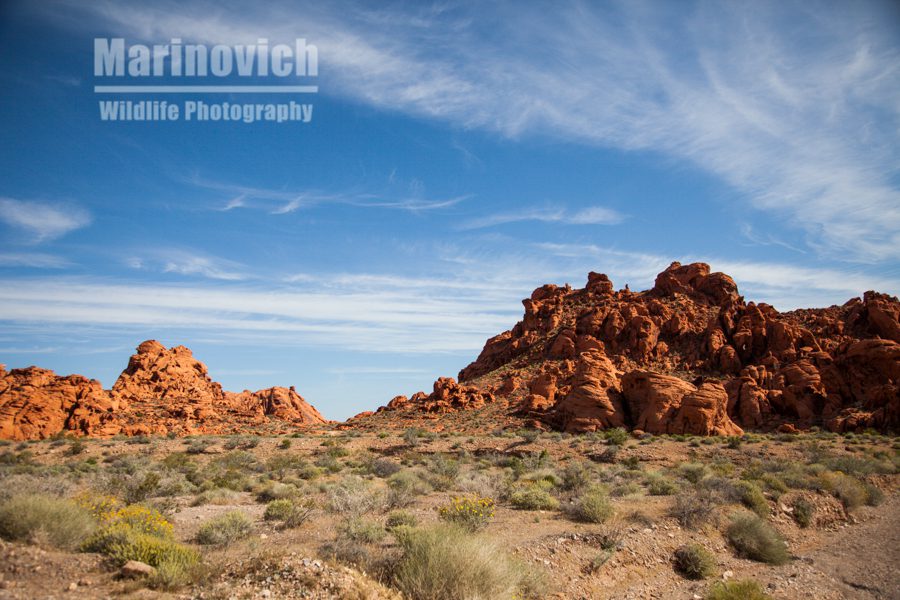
{"x": 416, "y": 514}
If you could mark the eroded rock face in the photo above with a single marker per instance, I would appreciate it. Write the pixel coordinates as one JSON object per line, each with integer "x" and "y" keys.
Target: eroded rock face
{"x": 835, "y": 367}
{"x": 162, "y": 390}
{"x": 37, "y": 403}
{"x": 282, "y": 403}
{"x": 594, "y": 402}
{"x": 666, "y": 404}
{"x": 155, "y": 372}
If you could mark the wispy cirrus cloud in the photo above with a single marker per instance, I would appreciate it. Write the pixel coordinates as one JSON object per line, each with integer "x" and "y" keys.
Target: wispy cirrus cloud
{"x": 592, "y": 215}
{"x": 191, "y": 263}
{"x": 283, "y": 202}
{"x": 792, "y": 105}
{"x": 34, "y": 260}
{"x": 42, "y": 221}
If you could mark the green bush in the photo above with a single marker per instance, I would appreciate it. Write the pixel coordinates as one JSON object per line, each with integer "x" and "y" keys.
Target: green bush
{"x": 755, "y": 539}
{"x": 616, "y": 436}
{"x": 353, "y": 497}
{"x": 533, "y": 496}
{"x": 224, "y": 529}
{"x": 745, "y": 589}
{"x": 36, "y": 518}
{"x": 290, "y": 512}
{"x": 660, "y": 485}
{"x": 593, "y": 506}
{"x": 845, "y": 488}
{"x": 693, "y": 472}
{"x": 576, "y": 475}
{"x": 448, "y": 563}
{"x": 803, "y": 512}
{"x": 874, "y": 495}
{"x": 362, "y": 530}
{"x": 752, "y": 497}
{"x": 401, "y": 518}
{"x": 695, "y": 562}
{"x": 404, "y": 487}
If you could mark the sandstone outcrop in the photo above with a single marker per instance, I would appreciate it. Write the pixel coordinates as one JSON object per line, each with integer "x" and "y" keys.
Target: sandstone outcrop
{"x": 37, "y": 403}
{"x": 710, "y": 362}
{"x": 162, "y": 390}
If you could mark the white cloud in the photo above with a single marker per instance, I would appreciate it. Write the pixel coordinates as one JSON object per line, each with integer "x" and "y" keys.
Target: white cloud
{"x": 34, "y": 260}
{"x": 793, "y": 106}
{"x": 593, "y": 215}
{"x": 42, "y": 221}
{"x": 189, "y": 262}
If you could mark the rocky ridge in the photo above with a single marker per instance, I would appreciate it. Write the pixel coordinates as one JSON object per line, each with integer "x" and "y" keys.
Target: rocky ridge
{"x": 161, "y": 391}
{"x": 687, "y": 356}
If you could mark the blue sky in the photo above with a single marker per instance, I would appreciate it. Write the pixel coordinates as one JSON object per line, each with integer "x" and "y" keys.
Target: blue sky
{"x": 458, "y": 157}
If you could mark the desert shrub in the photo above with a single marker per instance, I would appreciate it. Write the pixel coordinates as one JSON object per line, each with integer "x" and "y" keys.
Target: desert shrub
{"x": 694, "y": 561}
{"x": 576, "y": 475}
{"x": 241, "y": 443}
{"x": 198, "y": 446}
{"x": 752, "y": 497}
{"x": 274, "y": 490}
{"x": 471, "y": 512}
{"x": 858, "y": 465}
{"x": 692, "y": 510}
{"x": 384, "y": 467}
{"x": 615, "y": 436}
{"x": 411, "y": 436}
{"x": 401, "y": 518}
{"x": 660, "y": 485}
{"x": 592, "y": 506}
{"x": 76, "y": 447}
{"x": 874, "y": 495}
{"x": 448, "y": 563}
{"x": 224, "y": 529}
{"x": 755, "y": 539}
{"x": 289, "y": 512}
{"x": 329, "y": 463}
{"x": 219, "y": 496}
{"x": 481, "y": 484}
{"x": 142, "y": 534}
{"x": 138, "y": 489}
{"x": 625, "y": 489}
{"x": 845, "y": 488}
{"x": 441, "y": 472}
{"x": 36, "y": 518}
{"x": 353, "y": 496}
{"x": 179, "y": 461}
{"x": 529, "y": 436}
{"x": 404, "y": 487}
{"x": 693, "y": 472}
{"x": 533, "y": 496}
{"x": 362, "y": 531}
{"x": 803, "y": 512}
{"x": 633, "y": 463}
{"x": 285, "y": 444}
{"x": 744, "y": 589}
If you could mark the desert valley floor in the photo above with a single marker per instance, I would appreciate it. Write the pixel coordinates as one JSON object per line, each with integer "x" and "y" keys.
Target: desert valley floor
{"x": 335, "y": 514}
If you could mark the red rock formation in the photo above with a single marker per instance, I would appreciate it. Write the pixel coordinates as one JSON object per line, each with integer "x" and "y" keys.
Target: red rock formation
{"x": 161, "y": 391}
{"x": 835, "y": 367}
{"x": 37, "y": 403}
{"x": 594, "y": 401}
{"x": 281, "y": 403}
{"x": 666, "y": 404}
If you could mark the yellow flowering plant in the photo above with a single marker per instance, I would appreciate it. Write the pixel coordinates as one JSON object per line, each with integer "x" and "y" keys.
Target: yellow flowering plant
{"x": 472, "y": 512}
